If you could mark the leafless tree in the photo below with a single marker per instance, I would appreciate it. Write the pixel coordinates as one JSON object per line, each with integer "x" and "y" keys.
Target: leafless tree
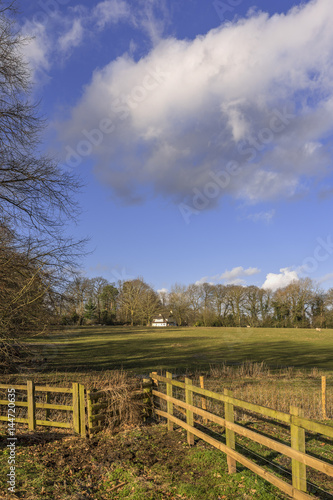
{"x": 179, "y": 303}
{"x": 138, "y": 302}
{"x": 37, "y": 198}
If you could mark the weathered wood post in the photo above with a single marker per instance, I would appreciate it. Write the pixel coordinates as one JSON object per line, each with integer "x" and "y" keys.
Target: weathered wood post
{"x": 297, "y": 443}
{"x": 154, "y": 385}
{"x": 203, "y": 398}
{"x": 76, "y": 408}
{"x": 48, "y": 400}
{"x": 89, "y": 414}
{"x": 82, "y": 411}
{"x": 31, "y": 405}
{"x": 169, "y": 392}
{"x": 147, "y": 397}
{"x": 230, "y": 435}
{"x": 189, "y": 413}
{"x": 323, "y": 396}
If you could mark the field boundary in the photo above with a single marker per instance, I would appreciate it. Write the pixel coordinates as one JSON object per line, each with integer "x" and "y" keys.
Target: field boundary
{"x": 87, "y": 409}
{"x": 298, "y": 425}
{"x": 77, "y": 408}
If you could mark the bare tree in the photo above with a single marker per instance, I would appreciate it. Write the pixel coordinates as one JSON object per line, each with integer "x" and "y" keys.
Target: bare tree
{"x": 34, "y": 191}
{"x": 137, "y": 301}
{"x": 206, "y": 302}
{"x": 79, "y": 292}
{"x": 221, "y": 303}
{"x": 179, "y": 303}
{"x": 150, "y": 304}
{"x": 252, "y": 304}
{"x": 36, "y": 196}
{"x": 108, "y": 301}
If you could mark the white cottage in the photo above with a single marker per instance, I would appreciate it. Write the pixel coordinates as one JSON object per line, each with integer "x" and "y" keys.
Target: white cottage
{"x": 161, "y": 320}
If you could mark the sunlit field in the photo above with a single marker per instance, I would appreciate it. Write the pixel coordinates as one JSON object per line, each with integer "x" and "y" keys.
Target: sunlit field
{"x": 142, "y": 350}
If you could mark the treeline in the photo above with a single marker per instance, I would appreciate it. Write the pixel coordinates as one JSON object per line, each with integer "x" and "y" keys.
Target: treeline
{"x": 301, "y": 304}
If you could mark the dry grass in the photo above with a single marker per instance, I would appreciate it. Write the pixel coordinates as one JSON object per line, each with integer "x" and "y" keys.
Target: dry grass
{"x": 124, "y": 410}
{"x": 253, "y": 382}
{"x": 278, "y": 389}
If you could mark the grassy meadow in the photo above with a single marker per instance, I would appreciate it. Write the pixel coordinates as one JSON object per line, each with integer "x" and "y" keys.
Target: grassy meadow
{"x": 147, "y": 462}
{"x": 267, "y": 366}
{"x": 142, "y": 350}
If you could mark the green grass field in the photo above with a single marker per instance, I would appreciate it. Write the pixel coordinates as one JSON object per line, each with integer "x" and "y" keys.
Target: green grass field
{"x": 142, "y": 350}
{"x": 142, "y": 464}
{"x": 148, "y": 462}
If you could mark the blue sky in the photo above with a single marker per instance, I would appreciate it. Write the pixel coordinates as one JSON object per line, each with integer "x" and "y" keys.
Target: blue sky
{"x": 202, "y": 132}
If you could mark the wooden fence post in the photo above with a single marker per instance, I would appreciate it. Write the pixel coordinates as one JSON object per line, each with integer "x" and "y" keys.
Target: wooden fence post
{"x": 230, "y": 435}
{"x": 48, "y": 400}
{"x": 147, "y": 395}
{"x": 169, "y": 404}
{"x": 89, "y": 414}
{"x": 82, "y": 411}
{"x": 156, "y": 386}
{"x": 297, "y": 443}
{"x": 203, "y": 398}
{"x": 323, "y": 396}
{"x": 76, "y": 408}
{"x": 189, "y": 413}
{"x": 31, "y": 405}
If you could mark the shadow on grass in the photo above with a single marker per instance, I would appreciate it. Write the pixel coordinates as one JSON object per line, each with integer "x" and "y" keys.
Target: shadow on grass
{"x": 142, "y": 352}
{"x": 268, "y": 461}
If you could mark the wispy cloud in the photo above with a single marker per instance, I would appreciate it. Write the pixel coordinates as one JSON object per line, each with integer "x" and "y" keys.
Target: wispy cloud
{"x": 325, "y": 278}
{"x": 152, "y": 17}
{"x": 265, "y": 217}
{"x": 111, "y": 12}
{"x": 233, "y": 277}
{"x": 73, "y": 37}
{"x": 63, "y": 29}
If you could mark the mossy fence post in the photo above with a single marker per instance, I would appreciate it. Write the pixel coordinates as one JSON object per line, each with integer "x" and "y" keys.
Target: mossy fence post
{"x": 169, "y": 392}
{"x": 83, "y": 431}
{"x": 147, "y": 386}
{"x": 189, "y": 413}
{"x": 47, "y": 401}
{"x": 31, "y": 405}
{"x": 230, "y": 435}
{"x": 155, "y": 385}
{"x": 297, "y": 443}
{"x": 323, "y": 396}
{"x": 203, "y": 398}
{"x": 90, "y": 414}
{"x": 76, "y": 408}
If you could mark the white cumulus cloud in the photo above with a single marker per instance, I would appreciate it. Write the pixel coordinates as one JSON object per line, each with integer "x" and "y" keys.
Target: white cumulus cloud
{"x": 258, "y": 91}
{"x": 280, "y": 280}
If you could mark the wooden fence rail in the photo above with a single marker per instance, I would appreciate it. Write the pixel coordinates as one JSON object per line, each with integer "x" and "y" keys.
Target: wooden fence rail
{"x": 88, "y": 408}
{"x": 77, "y": 408}
{"x": 298, "y": 426}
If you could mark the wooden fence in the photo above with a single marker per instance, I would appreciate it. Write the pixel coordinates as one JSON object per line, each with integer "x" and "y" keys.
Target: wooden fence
{"x": 88, "y": 408}
{"x": 298, "y": 425}
{"x": 76, "y": 409}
